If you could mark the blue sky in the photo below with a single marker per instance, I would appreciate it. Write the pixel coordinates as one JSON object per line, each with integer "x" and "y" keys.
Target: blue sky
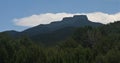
{"x": 11, "y": 9}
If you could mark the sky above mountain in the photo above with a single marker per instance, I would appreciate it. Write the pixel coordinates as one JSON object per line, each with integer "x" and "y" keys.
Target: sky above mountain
{"x": 22, "y": 14}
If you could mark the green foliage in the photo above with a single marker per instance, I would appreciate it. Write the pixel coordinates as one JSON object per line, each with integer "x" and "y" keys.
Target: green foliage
{"x": 87, "y": 45}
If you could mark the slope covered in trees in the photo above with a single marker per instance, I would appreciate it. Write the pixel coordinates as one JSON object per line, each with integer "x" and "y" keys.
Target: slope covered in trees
{"x": 87, "y": 45}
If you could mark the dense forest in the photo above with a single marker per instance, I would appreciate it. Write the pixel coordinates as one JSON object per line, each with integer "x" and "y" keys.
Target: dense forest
{"x": 86, "y": 45}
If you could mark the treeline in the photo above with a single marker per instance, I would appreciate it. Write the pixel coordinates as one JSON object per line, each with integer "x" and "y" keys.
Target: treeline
{"x": 86, "y": 45}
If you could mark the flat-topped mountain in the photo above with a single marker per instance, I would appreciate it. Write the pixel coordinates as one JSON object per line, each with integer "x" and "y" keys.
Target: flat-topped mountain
{"x": 55, "y": 31}
{"x": 75, "y": 21}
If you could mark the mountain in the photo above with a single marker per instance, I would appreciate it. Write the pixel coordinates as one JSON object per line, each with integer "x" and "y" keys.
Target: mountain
{"x": 56, "y": 31}
{"x": 75, "y": 21}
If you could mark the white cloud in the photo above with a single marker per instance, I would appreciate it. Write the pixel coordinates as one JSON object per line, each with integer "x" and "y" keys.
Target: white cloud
{"x": 46, "y": 18}
{"x": 103, "y": 17}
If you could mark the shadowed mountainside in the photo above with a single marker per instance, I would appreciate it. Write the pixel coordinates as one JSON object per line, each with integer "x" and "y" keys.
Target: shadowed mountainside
{"x": 55, "y": 31}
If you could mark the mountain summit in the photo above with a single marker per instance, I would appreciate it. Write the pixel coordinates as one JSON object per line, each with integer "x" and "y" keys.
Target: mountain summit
{"x": 76, "y": 18}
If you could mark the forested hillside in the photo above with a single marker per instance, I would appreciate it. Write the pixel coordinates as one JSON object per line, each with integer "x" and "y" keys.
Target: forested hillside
{"x": 86, "y": 45}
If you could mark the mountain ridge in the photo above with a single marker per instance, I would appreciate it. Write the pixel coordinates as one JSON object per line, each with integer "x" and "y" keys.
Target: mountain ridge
{"x": 56, "y": 31}
{"x": 75, "y": 21}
